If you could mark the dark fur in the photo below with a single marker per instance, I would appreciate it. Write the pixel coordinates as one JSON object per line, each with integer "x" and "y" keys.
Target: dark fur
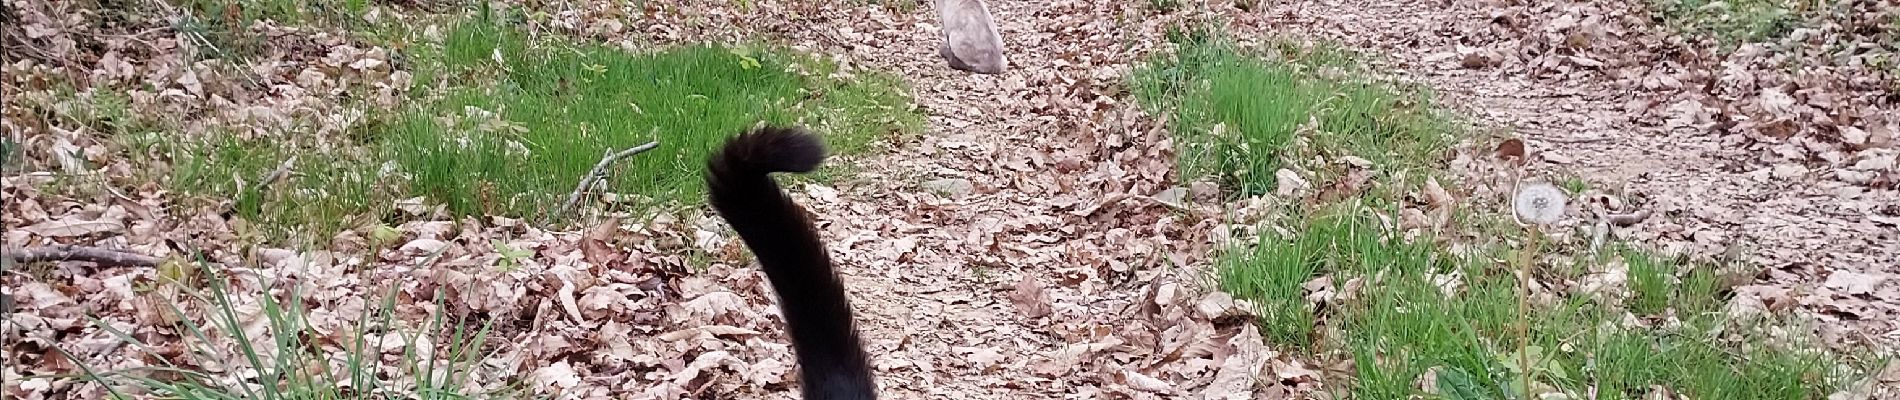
{"x": 832, "y": 361}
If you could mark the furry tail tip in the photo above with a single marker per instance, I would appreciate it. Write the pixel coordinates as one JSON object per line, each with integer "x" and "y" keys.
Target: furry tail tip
{"x": 770, "y": 149}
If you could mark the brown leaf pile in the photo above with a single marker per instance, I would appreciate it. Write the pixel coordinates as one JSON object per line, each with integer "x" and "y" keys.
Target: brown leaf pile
{"x": 1061, "y": 266}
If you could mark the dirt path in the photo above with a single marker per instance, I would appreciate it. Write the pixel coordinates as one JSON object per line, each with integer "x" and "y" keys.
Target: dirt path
{"x": 1825, "y": 245}
{"x": 989, "y": 259}
{"x": 931, "y": 317}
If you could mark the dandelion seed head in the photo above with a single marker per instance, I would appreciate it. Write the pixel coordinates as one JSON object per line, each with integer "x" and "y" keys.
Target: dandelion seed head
{"x": 1539, "y": 203}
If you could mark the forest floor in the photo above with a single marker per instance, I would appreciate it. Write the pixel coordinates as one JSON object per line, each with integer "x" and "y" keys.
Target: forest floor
{"x": 1037, "y": 237}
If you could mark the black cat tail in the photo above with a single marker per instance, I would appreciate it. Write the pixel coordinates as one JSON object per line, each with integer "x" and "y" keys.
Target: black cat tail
{"x": 817, "y": 314}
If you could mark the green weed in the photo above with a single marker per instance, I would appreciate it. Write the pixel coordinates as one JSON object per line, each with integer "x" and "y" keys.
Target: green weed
{"x": 1575, "y": 184}
{"x": 288, "y": 364}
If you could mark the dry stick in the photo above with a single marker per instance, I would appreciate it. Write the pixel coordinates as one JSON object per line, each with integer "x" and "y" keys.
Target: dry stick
{"x": 66, "y": 252}
{"x": 1523, "y": 308}
{"x": 1524, "y": 288}
{"x": 599, "y": 171}
{"x": 1627, "y": 219}
{"x": 283, "y": 170}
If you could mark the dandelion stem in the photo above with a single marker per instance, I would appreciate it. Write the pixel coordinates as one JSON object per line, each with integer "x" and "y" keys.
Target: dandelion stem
{"x": 1525, "y": 261}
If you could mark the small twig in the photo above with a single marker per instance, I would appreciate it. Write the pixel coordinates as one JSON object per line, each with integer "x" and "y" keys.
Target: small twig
{"x": 65, "y": 252}
{"x": 1517, "y": 178}
{"x": 1578, "y": 140}
{"x": 282, "y": 171}
{"x": 1627, "y": 219}
{"x": 599, "y": 171}
{"x": 1523, "y": 306}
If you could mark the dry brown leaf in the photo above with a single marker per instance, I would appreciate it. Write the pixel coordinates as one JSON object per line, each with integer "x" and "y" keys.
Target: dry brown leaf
{"x": 1138, "y": 381}
{"x": 1289, "y": 183}
{"x": 1855, "y": 283}
{"x": 1356, "y": 181}
{"x": 1029, "y": 298}
{"x": 596, "y": 246}
{"x": 1240, "y": 372}
{"x": 1437, "y": 196}
{"x": 1512, "y": 151}
{"x": 424, "y": 247}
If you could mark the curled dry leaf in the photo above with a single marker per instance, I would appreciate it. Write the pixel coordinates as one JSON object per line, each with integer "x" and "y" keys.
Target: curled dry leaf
{"x": 1356, "y": 181}
{"x": 1138, "y": 381}
{"x": 1289, "y": 183}
{"x": 1215, "y": 305}
{"x": 556, "y": 377}
{"x": 1237, "y": 376}
{"x": 1174, "y": 197}
{"x": 1512, "y": 151}
{"x": 596, "y": 246}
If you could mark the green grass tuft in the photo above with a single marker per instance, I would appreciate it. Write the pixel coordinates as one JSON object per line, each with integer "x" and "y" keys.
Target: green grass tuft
{"x": 514, "y": 134}
{"x": 1730, "y": 22}
{"x": 326, "y": 191}
{"x": 1238, "y": 115}
{"x": 226, "y": 24}
{"x": 1649, "y": 283}
{"x": 1575, "y": 184}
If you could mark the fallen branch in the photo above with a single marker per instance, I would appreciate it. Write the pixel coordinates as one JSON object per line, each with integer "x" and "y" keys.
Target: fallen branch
{"x": 65, "y": 252}
{"x": 599, "y": 171}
